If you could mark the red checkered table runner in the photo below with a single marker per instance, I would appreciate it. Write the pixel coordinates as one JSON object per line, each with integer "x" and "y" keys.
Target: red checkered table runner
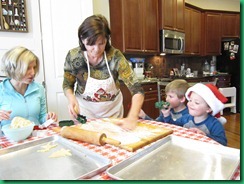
{"x": 116, "y": 154}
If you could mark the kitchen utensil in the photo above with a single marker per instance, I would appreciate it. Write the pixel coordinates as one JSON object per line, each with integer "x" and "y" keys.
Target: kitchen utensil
{"x": 23, "y": 162}
{"x": 5, "y": 24}
{"x": 178, "y": 158}
{"x": 87, "y": 136}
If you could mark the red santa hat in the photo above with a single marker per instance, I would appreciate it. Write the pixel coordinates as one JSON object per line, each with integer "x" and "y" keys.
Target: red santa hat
{"x": 210, "y": 93}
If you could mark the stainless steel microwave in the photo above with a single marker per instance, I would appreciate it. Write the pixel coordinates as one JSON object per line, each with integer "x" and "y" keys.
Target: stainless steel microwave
{"x": 172, "y": 42}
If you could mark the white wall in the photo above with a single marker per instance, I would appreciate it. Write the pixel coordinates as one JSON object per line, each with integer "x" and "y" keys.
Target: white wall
{"x": 101, "y": 7}
{"x": 225, "y": 5}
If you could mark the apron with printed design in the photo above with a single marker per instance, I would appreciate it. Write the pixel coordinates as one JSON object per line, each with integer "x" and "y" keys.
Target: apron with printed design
{"x": 101, "y": 98}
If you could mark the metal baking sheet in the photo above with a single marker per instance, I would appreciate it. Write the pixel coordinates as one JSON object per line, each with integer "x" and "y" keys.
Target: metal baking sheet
{"x": 23, "y": 162}
{"x": 177, "y": 158}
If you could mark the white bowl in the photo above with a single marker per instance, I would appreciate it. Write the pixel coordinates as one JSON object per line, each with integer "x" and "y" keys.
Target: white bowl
{"x": 17, "y": 134}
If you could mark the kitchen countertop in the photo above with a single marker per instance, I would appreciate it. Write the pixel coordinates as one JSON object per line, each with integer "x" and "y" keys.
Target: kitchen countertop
{"x": 169, "y": 79}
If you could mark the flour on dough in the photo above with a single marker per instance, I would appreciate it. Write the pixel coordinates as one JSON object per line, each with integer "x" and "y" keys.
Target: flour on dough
{"x": 113, "y": 131}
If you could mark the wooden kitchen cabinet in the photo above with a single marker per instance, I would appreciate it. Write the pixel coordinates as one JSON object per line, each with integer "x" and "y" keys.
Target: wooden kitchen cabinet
{"x": 172, "y": 15}
{"x": 126, "y": 98}
{"x": 192, "y": 31}
{"x": 134, "y": 25}
{"x": 151, "y": 96}
{"x": 230, "y": 24}
{"x": 224, "y": 81}
{"x": 211, "y": 33}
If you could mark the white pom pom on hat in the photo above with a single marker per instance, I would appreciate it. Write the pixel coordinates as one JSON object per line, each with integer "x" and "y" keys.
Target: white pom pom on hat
{"x": 210, "y": 93}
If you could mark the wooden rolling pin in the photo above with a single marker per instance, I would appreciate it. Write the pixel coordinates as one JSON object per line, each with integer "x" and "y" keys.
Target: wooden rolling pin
{"x": 87, "y": 136}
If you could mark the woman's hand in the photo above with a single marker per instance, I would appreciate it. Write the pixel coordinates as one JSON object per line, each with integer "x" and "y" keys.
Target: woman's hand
{"x": 53, "y": 116}
{"x": 4, "y": 115}
{"x": 74, "y": 110}
{"x": 73, "y": 106}
{"x": 127, "y": 123}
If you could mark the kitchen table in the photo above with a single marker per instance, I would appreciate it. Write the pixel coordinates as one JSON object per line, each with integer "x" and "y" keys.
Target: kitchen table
{"x": 116, "y": 154}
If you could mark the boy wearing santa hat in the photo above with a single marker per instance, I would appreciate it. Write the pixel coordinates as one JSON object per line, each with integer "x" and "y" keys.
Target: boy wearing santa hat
{"x": 204, "y": 103}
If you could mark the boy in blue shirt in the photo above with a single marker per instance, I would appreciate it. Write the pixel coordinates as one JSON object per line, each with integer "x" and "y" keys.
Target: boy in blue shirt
{"x": 204, "y": 103}
{"x": 175, "y": 96}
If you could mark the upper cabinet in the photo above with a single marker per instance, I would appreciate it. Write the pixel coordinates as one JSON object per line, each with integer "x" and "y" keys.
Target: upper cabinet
{"x": 215, "y": 26}
{"x": 192, "y": 31}
{"x": 211, "y": 33}
{"x": 172, "y": 14}
{"x": 230, "y": 24}
{"x": 134, "y": 25}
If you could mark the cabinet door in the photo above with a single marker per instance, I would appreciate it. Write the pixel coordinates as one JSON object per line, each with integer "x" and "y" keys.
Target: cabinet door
{"x": 180, "y": 15}
{"x": 151, "y": 97}
{"x": 192, "y": 31}
{"x": 230, "y": 25}
{"x": 150, "y": 29}
{"x": 212, "y": 33}
{"x": 224, "y": 81}
{"x": 172, "y": 14}
{"x": 126, "y": 98}
{"x": 134, "y": 25}
{"x": 132, "y": 20}
{"x": 187, "y": 30}
{"x": 195, "y": 31}
{"x": 167, "y": 14}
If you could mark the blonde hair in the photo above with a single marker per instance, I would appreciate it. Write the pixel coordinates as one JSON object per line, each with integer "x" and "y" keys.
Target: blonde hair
{"x": 15, "y": 62}
{"x": 178, "y": 86}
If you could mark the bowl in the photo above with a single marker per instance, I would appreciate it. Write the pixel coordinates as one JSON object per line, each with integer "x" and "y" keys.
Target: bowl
{"x": 17, "y": 134}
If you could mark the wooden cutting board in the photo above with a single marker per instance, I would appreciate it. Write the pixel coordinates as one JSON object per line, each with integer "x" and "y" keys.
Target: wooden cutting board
{"x": 157, "y": 133}
{"x": 145, "y": 133}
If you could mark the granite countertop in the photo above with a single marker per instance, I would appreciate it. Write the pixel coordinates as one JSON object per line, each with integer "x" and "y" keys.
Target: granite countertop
{"x": 169, "y": 79}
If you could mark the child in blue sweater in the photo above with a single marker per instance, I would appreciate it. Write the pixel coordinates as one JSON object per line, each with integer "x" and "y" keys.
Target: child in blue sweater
{"x": 204, "y": 102}
{"x": 175, "y": 95}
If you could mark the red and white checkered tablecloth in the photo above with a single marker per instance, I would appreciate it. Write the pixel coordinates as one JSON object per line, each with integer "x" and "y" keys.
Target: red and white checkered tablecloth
{"x": 116, "y": 154}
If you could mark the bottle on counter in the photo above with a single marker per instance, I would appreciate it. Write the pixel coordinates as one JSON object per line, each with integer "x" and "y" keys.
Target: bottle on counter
{"x": 182, "y": 69}
{"x": 212, "y": 67}
{"x": 206, "y": 68}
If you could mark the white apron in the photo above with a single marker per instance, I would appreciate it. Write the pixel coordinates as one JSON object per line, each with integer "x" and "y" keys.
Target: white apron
{"x": 92, "y": 102}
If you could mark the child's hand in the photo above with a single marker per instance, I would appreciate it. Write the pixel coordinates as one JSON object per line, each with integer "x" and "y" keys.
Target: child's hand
{"x": 166, "y": 112}
{"x": 197, "y": 131}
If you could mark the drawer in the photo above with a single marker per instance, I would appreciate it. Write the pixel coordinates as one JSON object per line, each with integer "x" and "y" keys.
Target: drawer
{"x": 149, "y": 87}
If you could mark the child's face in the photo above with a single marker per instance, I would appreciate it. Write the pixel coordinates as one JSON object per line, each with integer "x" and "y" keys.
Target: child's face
{"x": 197, "y": 105}
{"x": 173, "y": 99}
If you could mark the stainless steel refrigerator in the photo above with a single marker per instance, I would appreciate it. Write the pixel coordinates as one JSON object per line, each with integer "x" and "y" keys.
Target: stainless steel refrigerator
{"x": 229, "y": 61}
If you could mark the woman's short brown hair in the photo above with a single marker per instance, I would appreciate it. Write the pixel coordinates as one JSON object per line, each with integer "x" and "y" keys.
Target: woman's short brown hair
{"x": 15, "y": 62}
{"x": 93, "y": 27}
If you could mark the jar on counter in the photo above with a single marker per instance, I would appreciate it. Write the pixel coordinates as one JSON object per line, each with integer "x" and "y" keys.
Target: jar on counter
{"x": 206, "y": 68}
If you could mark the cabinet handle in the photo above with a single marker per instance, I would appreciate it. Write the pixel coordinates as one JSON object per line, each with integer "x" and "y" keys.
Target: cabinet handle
{"x": 150, "y": 89}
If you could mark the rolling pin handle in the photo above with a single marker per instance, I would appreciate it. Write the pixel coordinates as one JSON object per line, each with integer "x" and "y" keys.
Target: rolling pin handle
{"x": 111, "y": 141}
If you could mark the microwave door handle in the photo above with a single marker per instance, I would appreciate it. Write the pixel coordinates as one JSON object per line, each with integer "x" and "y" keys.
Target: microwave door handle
{"x": 181, "y": 40}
